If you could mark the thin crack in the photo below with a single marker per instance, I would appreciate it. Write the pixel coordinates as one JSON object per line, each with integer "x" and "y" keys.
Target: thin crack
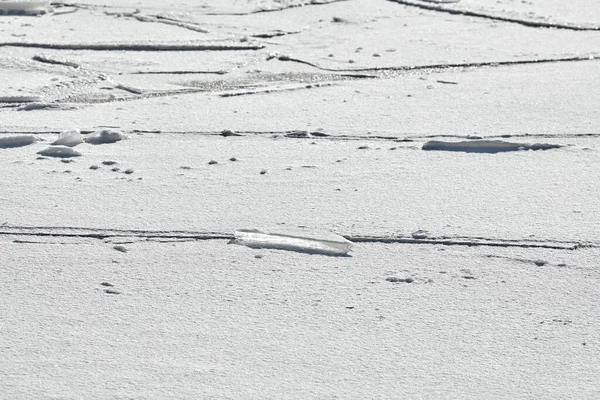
{"x": 468, "y": 13}
{"x": 438, "y": 67}
{"x": 179, "y": 72}
{"x": 167, "y": 21}
{"x": 133, "y": 47}
{"x": 266, "y": 10}
{"x": 48, "y": 60}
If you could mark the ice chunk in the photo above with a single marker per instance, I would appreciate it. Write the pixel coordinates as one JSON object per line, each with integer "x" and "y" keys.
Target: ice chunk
{"x": 486, "y": 146}
{"x": 24, "y": 7}
{"x": 69, "y": 138}
{"x": 17, "y": 141}
{"x": 328, "y": 244}
{"x": 105, "y": 136}
{"x": 59, "y": 151}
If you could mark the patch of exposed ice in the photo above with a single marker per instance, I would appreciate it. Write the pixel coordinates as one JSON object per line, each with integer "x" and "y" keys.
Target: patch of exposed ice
{"x": 327, "y": 244}
{"x": 59, "y": 152}
{"x": 17, "y": 141}
{"x": 24, "y": 7}
{"x": 69, "y": 138}
{"x": 486, "y": 146}
{"x": 104, "y": 136}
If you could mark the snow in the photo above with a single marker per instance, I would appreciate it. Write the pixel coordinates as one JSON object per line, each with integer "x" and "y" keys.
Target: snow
{"x": 59, "y": 152}
{"x": 119, "y": 279}
{"x": 17, "y": 141}
{"x": 104, "y": 136}
{"x": 70, "y": 138}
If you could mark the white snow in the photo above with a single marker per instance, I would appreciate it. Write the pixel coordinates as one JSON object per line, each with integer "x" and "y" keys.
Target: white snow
{"x": 330, "y": 244}
{"x": 59, "y": 152}
{"x": 69, "y": 138}
{"x": 17, "y": 141}
{"x": 105, "y": 136}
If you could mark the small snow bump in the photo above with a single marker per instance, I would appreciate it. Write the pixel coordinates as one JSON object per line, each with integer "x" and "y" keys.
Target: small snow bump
{"x": 120, "y": 248}
{"x": 59, "y": 152}
{"x": 17, "y": 141}
{"x": 105, "y": 136}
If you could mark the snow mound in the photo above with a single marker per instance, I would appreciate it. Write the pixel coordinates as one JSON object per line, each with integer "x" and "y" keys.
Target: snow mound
{"x": 105, "y": 136}
{"x": 24, "y": 7}
{"x": 69, "y": 138}
{"x": 17, "y": 141}
{"x": 486, "y": 146}
{"x": 330, "y": 244}
{"x": 59, "y": 152}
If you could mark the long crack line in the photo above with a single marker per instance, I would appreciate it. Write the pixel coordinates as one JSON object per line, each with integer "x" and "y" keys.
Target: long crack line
{"x": 469, "y": 13}
{"x": 102, "y": 234}
{"x": 439, "y": 67}
{"x": 132, "y": 47}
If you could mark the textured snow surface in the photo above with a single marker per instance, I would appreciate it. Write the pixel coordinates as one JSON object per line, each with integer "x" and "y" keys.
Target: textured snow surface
{"x": 473, "y": 272}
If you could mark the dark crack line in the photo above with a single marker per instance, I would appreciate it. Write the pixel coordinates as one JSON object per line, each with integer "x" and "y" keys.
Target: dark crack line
{"x": 178, "y": 73}
{"x": 468, "y": 13}
{"x": 278, "y": 33}
{"x": 470, "y": 242}
{"x": 439, "y": 67}
{"x": 267, "y": 10}
{"x": 102, "y": 234}
{"x": 47, "y": 60}
{"x": 133, "y": 47}
{"x": 276, "y": 90}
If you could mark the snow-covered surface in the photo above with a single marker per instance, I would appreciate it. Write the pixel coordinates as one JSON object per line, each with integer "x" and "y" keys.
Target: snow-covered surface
{"x": 472, "y": 275}
{"x": 206, "y": 319}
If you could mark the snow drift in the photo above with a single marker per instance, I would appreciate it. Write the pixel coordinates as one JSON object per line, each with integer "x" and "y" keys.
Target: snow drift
{"x": 69, "y": 138}
{"x": 105, "y": 136}
{"x": 59, "y": 152}
{"x": 17, "y": 141}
